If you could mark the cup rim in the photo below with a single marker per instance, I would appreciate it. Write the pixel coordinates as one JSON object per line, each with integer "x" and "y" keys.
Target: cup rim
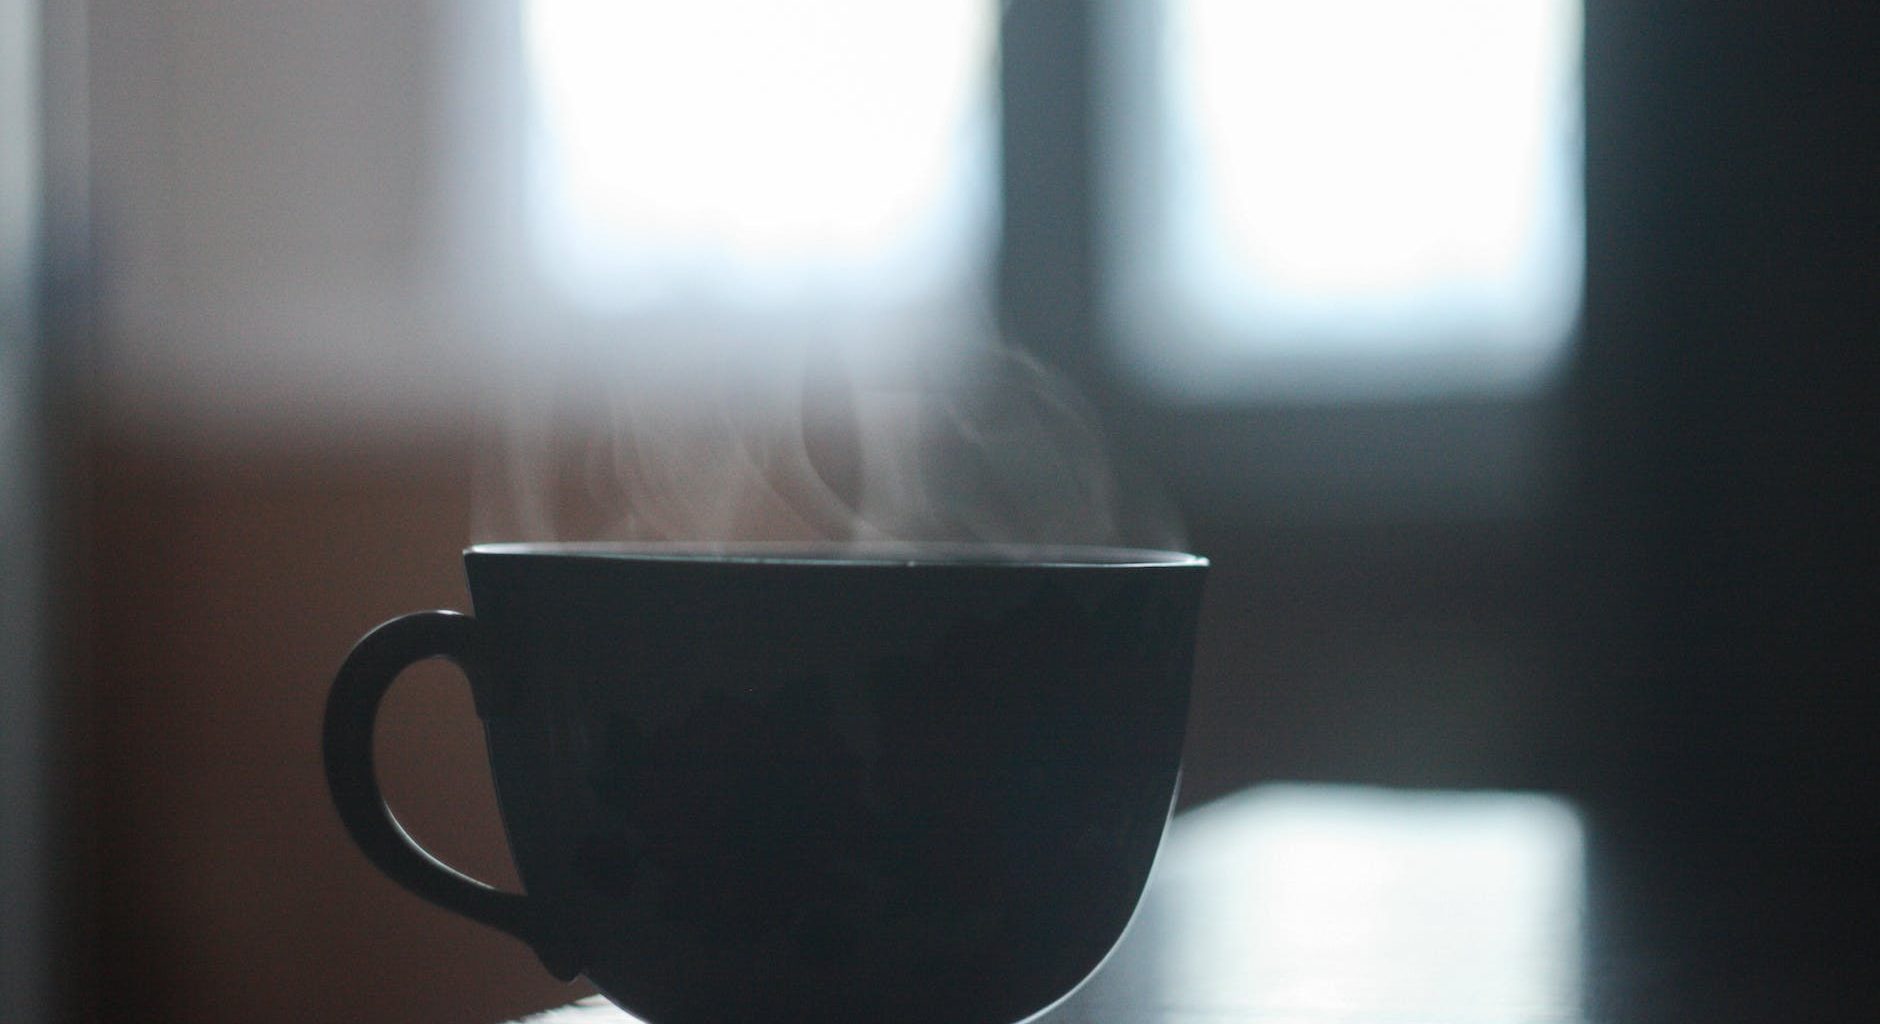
{"x": 845, "y": 555}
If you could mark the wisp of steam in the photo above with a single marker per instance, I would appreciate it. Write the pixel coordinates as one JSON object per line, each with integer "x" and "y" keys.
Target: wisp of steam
{"x": 959, "y": 443}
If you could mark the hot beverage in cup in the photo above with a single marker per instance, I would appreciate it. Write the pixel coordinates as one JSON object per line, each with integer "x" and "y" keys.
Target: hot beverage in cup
{"x": 791, "y": 783}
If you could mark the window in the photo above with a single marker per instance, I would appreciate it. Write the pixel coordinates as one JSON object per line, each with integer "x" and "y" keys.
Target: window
{"x": 1349, "y": 229}
{"x": 1344, "y": 198}
{"x": 771, "y": 158}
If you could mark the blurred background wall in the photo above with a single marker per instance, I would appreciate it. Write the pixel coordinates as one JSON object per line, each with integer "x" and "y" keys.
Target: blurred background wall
{"x": 1614, "y": 547}
{"x": 25, "y": 683}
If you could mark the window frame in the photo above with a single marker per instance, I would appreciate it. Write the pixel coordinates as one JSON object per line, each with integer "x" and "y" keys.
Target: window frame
{"x": 1443, "y": 458}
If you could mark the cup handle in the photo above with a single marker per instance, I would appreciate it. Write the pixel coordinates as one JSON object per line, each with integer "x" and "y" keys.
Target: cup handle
{"x": 351, "y": 711}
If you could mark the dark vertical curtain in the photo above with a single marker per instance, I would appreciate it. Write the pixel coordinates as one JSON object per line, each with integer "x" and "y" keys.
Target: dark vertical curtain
{"x": 1725, "y": 397}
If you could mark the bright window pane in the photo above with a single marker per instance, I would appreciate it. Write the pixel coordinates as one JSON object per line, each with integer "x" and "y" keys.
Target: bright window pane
{"x": 1346, "y": 196}
{"x": 761, "y": 155}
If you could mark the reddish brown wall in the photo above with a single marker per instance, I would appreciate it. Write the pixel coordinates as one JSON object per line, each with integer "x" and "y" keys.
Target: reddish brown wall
{"x": 225, "y": 589}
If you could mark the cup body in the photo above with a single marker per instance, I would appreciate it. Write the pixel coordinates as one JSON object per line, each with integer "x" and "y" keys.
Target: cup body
{"x": 788, "y": 785}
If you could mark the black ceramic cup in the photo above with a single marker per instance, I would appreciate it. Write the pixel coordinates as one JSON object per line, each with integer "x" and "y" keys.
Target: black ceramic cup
{"x": 786, "y": 784}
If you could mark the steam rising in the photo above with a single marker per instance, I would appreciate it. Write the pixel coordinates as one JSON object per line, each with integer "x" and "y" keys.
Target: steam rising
{"x": 979, "y": 444}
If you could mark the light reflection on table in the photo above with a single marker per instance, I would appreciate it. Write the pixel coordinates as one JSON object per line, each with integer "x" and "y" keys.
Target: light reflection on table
{"x": 1330, "y": 904}
{"x": 1345, "y": 904}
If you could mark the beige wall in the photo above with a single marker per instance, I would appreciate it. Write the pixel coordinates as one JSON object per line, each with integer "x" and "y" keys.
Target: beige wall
{"x": 292, "y": 209}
